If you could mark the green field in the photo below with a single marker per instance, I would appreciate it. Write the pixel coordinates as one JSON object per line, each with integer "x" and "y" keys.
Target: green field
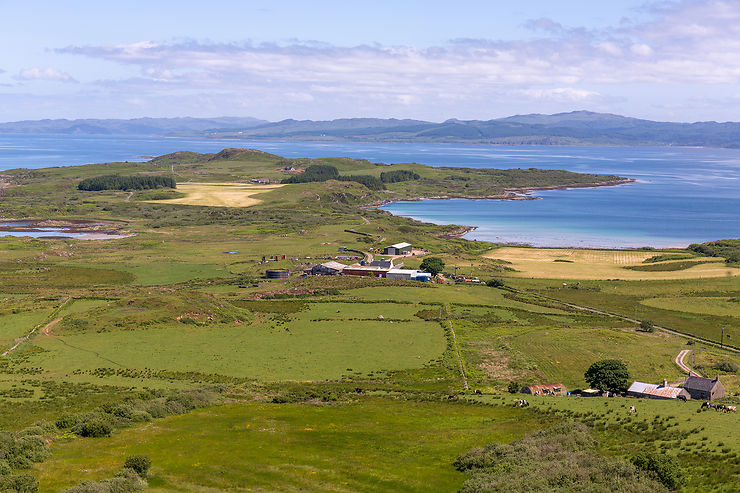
{"x": 182, "y": 303}
{"x": 368, "y": 445}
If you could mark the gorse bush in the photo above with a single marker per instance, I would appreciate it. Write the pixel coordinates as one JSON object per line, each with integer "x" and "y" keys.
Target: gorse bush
{"x": 138, "y": 463}
{"x": 125, "y": 481}
{"x": 663, "y": 467}
{"x": 22, "y": 483}
{"x": 559, "y": 459}
{"x": 117, "y": 182}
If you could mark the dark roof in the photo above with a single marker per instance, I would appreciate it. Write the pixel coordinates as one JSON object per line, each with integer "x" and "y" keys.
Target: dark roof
{"x": 382, "y": 263}
{"x": 700, "y": 383}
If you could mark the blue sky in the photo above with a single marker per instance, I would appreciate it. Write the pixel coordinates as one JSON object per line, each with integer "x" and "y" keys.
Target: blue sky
{"x": 431, "y": 60}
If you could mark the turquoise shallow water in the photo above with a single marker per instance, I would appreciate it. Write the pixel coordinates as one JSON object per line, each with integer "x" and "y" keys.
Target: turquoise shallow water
{"x": 683, "y": 195}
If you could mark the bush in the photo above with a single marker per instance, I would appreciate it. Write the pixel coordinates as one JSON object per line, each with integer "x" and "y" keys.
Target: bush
{"x": 4, "y": 468}
{"x": 647, "y": 326}
{"x": 559, "y": 459}
{"x": 94, "y": 428}
{"x": 23, "y": 483}
{"x": 139, "y": 463}
{"x": 495, "y": 283}
{"x": 665, "y": 468}
{"x": 513, "y": 387}
{"x": 727, "y": 366}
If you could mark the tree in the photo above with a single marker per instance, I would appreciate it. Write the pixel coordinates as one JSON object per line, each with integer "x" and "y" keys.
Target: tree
{"x": 495, "y": 283}
{"x": 513, "y": 387}
{"x": 433, "y": 265}
{"x": 647, "y": 326}
{"x": 608, "y": 374}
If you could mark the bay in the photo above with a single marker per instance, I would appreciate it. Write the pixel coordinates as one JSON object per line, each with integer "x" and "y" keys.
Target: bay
{"x": 682, "y": 195}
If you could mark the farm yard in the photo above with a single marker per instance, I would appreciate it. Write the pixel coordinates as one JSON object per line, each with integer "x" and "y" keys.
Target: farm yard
{"x": 364, "y": 379}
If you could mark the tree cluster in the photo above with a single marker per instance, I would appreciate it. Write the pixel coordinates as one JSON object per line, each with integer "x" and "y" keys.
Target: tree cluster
{"x": 322, "y": 172}
{"x": 398, "y": 175}
{"x": 118, "y": 182}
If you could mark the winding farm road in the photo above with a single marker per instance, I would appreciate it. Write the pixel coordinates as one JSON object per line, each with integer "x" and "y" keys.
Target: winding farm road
{"x": 679, "y": 361}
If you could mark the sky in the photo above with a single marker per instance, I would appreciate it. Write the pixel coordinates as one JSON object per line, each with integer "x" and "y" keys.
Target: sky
{"x": 429, "y": 60}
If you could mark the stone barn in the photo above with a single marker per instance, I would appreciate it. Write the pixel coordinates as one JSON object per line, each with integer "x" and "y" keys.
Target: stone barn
{"x": 705, "y": 389}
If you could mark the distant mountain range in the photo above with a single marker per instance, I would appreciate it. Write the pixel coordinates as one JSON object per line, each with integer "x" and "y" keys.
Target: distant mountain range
{"x": 574, "y": 128}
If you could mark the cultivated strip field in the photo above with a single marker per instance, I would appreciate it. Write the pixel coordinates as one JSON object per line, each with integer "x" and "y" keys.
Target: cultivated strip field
{"x": 219, "y": 194}
{"x": 564, "y": 263}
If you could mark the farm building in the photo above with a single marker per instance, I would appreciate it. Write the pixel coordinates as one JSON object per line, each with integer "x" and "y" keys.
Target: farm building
{"x": 546, "y": 389}
{"x": 277, "y": 273}
{"x": 365, "y": 270}
{"x": 408, "y": 275}
{"x": 327, "y": 269}
{"x": 653, "y": 391}
{"x": 398, "y": 249}
{"x": 706, "y": 389}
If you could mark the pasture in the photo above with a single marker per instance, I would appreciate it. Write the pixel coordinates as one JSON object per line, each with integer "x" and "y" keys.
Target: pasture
{"x": 325, "y": 341}
{"x": 580, "y": 264}
{"x": 372, "y": 444}
{"x": 219, "y": 194}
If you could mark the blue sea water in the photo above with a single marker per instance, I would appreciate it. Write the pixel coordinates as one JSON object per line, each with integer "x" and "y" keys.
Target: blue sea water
{"x": 682, "y": 195}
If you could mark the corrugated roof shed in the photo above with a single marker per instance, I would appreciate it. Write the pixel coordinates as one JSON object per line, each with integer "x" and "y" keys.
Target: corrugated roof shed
{"x": 401, "y": 245}
{"x": 651, "y": 389}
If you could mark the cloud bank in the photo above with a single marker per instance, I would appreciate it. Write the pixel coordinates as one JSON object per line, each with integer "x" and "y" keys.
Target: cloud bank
{"x": 690, "y": 44}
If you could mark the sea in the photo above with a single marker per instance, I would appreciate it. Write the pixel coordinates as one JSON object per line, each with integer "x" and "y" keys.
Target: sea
{"x": 682, "y": 195}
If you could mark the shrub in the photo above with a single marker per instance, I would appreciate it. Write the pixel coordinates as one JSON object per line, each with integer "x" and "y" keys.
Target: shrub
{"x": 23, "y": 483}
{"x": 139, "y": 463}
{"x": 495, "y": 283}
{"x": 664, "y": 467}
{"x": 727, "y": 366}
{"x": 4, "y": 468}
{"x": 94, "y": 428}
{"x": 647, "y": 326}
{"x": 513, "y": 387}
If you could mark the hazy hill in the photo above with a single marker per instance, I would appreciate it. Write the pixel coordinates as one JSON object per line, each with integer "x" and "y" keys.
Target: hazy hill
{"x": 137, "y": 126}
{"x": 577, "y": 127}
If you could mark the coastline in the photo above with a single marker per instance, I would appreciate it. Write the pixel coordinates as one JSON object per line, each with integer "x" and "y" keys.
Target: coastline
{"x": 509, "y": 193}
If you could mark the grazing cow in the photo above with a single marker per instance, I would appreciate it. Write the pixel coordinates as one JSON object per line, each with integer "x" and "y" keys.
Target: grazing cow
{"x": 731, "y": 409}
{"x": 707, "y": 405}
{"x": 720, "y": 407}
{"x": 452, "y": 396}
{"x": 478, "y": 392}
{"x": 633, "y": 410}
{"x": 358, "y": 390}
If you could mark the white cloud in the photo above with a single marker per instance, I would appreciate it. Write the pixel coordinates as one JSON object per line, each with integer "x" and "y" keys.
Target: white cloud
{"x": 48, "y": 73}
{"x": 692, "y": 44}
{"x": 562, "y": 95}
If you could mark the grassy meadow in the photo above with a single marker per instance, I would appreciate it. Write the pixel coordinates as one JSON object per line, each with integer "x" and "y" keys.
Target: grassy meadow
{"x": 182, "y": 303}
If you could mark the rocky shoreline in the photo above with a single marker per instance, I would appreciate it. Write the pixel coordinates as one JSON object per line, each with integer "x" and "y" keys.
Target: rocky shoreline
{"x": 509, "y": 194}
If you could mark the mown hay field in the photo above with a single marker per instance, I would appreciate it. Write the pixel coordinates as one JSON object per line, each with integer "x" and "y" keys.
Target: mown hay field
{"x": 232, "y": 194}
{"x": 564, "y": 263}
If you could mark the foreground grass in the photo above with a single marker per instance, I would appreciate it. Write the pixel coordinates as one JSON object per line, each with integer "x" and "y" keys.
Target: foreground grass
{"x": 373, "y": 444}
